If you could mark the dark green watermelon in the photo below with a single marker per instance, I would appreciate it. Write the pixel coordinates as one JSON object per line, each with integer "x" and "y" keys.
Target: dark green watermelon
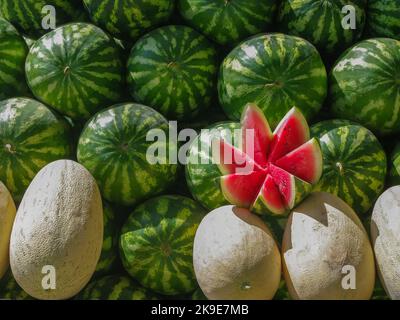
{"x": 383, "y": 18}
{"x": 276, "y": 72}
{"x": 365, "y": 84}
{"x": 129, "y": 19}
{"x": 27, "y": 15}
{"x": 320, "y": 22}
{"x": 13, "y": 52}
{"x": 228, "y": 22}
{"x": 76, "y": 69}
{"x": 10, "y": 290}
{"x": 115, "y": 287}
{"x": 114, "y": 147}
{"x": 173, "y": 69}
{"x": 156, "y": 244}
{"x": 31, "y": 136}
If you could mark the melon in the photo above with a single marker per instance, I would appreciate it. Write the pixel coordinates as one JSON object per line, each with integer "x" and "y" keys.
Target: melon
{"x": 326, "y": 252}
{"x": 269, "y": 173}
{"x": 58, "y": 227}
{"x": 235, "y": 256}
{"x": 7, "y": 215}
{"x": 385, "y": 233}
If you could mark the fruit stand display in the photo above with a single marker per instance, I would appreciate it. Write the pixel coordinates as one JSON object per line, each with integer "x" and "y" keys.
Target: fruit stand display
{"x": 199, "y": 149}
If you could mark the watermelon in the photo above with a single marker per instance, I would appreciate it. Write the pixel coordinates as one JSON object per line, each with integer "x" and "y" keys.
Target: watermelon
{"x": 394, "y": 175}
{"x": 76, "y": 69}
{"x": 276, "y": 72}
{"x": 156, "y": 244}
{"x": 114, "y": 147}
{"x": 320, "y": 22}
{"x": 270, "y": 173}
{"x": 109, "y": 252}
{"x": 365, "y": 84}
{"x": 115, "y": 287}
{"x": 129, "y": 19}
{"x": 320, "y": 128}
{"x": 31, "y": 136}
{"x": 354, "y": 166}
{"x": 228, "y": 22}
{"x": 10, "y": 290}
{"x": 383, "y": 18}
{"x": 173, "y": 69}
{"x": 199, "y": 295}
{"x": 13, "y": 52}
{"x": 27, "y": 15}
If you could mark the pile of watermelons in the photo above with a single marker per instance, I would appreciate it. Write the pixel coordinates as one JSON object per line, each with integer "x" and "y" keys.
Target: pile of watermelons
{"x": 293, "y": 108}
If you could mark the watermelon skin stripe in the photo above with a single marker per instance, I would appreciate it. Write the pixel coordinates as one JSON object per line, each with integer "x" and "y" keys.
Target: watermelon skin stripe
{"x": 364, "y": 164}
{"x": 76, "y": 69}
{"x": 365, "y": 85}
{"x": 31, "y": 136}
{"x": 202, "y": 174}
{"x": 156, "y": 244}
{"x": 383, "y": 18}
{"x": 13, "y": 52}
{"x": 118, "y": 138}
{"x": 276, "y": 72}
{"x": 115, "y": 287}
{"x": 228, "y": 22}
{"x": 173, "y": 69}
{"x": 129, "y": 19}
{"x": 27, "y": 15}
{"x": 320, "y": 22}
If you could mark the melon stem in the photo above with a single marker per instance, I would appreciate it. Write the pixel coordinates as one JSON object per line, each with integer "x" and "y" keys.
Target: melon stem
{"x": 9, "y": 148}
{"x": 340, "y": 167}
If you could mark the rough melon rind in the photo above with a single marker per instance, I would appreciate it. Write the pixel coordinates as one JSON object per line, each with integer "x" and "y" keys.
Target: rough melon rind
{"x": 59, "y": 223}
{"x": 235, "y": 256}
{"x": 322, "y": 236}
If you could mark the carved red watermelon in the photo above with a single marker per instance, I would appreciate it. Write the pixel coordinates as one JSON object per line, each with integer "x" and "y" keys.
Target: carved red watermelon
{"x": 272, "y": 172}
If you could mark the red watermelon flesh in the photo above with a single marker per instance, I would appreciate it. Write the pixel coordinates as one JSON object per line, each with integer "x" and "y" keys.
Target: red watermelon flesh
{"x": 258, "y": 143}
{"x": 290, "y": 134}
{"x": 231, "y": 160}
{"x": 305, "y": 162}
{"x": 241, "y": 190}
{"x": 280, "y": 172}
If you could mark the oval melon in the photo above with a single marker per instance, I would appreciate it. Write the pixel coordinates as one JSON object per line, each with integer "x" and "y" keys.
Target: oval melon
{"x": 7, "y": 215}
{"x": 385, "y": 233}
{"x": 326, "y": 251}
{"x": 235, "y": 256}
{"x": 60, "y": 224}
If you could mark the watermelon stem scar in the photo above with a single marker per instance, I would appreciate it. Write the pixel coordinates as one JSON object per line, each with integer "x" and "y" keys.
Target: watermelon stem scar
{"x": 283, "y": 165}
{"x": 67, "y": 70}
{"x": 340, "y": 167}
{"x": 10, "y": 148}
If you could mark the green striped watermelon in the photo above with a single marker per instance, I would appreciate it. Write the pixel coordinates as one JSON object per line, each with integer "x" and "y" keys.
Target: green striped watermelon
{"x": 383, "y": 18}
{"x": 10, "y": 290}
{"x": 199, "y": 295}
{"x": 276, "y": 72}
{"x": 228, "y": 22}
{"x": 156, "y": 244}
{"x": 319, "y": 129}
{"x": 320, "y": 22}
{"x": 201, "y": 172}
{"x": 31, "y": 136}
{"x": 365, "y": 84}
{"x": 76, "y": 69}
{"x": 173, "y": 69}
{"x": 129, "y": 19}
{"x": 113, "y": 147}
{"x": 394, "y": 178}
{"x": 115, "y": 287}
{"x": 109, "y": 252}
{"x": 13, "y": 52}
{"x": 354, "y": 166}
{"x": 27, "y": 15}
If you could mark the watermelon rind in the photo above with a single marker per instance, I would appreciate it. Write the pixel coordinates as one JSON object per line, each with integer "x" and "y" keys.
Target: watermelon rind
{"x": 156, "y": 244}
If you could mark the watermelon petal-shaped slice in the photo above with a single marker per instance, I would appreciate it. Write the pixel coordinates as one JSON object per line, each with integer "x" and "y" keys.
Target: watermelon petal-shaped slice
{"x": 256, "y": 134}
{"x": 291, "y": 133}
{"x": 269, "y": 199}
{"x": 241, "y": 190}
{"x": 292, "y": 189}
{"x": 231, "y": 160}
{"x": 305, "y": 162}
